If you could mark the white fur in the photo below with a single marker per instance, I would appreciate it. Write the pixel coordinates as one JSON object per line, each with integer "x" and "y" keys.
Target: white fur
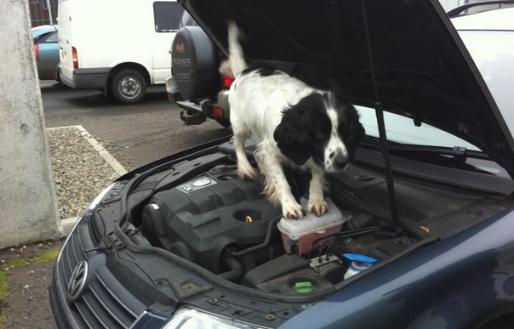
{"x": 256, "y": 107}
{"x": 335, "y": 144}
{"x": 236, "y": 58}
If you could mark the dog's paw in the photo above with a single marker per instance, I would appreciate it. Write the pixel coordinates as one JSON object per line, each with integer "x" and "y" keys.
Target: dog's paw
{"x": 318, "y": 206}
{"x": 246, "y": 172}
{"x": 292, "y": 210}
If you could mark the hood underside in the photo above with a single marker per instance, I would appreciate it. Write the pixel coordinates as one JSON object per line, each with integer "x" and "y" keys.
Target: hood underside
{"x": 422, "y": 68}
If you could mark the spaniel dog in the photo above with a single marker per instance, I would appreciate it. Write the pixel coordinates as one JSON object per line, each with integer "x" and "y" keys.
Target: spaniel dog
{"x": 293, "y": 123}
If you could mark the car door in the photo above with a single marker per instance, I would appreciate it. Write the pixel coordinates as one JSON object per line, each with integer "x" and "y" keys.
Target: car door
{"x": 48, "y": 59}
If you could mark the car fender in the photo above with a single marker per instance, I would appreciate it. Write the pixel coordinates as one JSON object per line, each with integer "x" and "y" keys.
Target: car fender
{"x": 452, "y": 283}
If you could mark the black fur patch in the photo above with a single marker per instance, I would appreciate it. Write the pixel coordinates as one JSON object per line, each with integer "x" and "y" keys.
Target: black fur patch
{"x": 262, "y": 70}
{"x": 305, "y": 129}
{"x": 350, "y": 129}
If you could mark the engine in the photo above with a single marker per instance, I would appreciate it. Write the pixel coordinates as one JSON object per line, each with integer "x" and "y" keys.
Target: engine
{"x": 225, "y": 225}
{"x": 200, "y": 219}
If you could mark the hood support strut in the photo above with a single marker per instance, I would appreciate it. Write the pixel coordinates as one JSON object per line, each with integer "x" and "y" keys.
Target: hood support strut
{"x": 379, "y": 113}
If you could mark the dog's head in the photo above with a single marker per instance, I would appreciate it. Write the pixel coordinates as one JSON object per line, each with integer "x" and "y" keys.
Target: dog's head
{"x": 321, "y": 127}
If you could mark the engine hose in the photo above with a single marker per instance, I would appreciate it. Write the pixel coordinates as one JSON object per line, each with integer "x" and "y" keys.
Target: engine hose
{"x": 236, "y": 270}
{"x": 261, "y": 245}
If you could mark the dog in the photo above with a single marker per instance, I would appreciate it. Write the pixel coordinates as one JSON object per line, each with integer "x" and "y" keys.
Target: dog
{"x": 294, "y": 124}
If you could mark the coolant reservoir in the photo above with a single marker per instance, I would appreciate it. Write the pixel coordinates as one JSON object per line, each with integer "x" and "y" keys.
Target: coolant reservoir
{"x": 298, "y": 235}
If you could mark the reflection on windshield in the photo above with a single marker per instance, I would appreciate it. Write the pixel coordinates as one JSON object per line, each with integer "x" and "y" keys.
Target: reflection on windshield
{"x": 401, "y": 129}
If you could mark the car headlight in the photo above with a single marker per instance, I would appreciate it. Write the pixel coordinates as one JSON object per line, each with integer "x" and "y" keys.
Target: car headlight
{"x": 188, "y": 318}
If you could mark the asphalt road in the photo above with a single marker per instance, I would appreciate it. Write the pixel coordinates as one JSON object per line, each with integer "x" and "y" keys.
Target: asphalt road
{"x": 134, "y": 134}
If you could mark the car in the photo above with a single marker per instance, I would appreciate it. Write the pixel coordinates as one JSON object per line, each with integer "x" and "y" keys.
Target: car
{"x": 46, "y": 51}
{"x": 118, "y": 54}
{"x": 421, "y": 233}
{"x": 196, "y": 84}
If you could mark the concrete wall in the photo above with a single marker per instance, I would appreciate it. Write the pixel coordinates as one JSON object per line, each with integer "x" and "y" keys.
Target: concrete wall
{"x": 28, "y": 208}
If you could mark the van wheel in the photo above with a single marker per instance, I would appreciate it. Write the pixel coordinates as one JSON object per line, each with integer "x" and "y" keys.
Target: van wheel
{"x": 128, "y": 86}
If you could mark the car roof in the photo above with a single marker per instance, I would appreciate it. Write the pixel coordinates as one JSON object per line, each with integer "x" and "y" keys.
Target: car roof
{"x": 496, "y": 19}
{"x": 43, "y": 29}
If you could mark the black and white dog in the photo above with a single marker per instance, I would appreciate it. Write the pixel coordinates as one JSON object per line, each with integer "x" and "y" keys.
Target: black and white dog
{"x": 294, "y": 124}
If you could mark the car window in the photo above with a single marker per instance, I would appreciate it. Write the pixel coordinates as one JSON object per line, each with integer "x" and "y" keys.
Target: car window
{"x": 167, "y": 16}
{"x": 50, "y": 38}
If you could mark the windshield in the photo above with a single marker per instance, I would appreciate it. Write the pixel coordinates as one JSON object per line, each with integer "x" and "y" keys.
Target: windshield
{"x": 405, "y": 131}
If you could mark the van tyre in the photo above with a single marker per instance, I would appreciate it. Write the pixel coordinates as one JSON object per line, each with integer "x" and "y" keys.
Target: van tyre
{"x": 128, "y": 86}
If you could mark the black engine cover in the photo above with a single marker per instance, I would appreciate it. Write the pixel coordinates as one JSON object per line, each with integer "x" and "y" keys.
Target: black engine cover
{"x": 199, "y": 219}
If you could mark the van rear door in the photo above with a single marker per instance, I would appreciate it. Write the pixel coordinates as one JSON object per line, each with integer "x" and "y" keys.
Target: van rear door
{"x": 166, "y": 17}
{"x": 65, "y": 41}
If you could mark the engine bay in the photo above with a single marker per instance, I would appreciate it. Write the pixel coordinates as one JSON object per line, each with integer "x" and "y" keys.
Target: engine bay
{"x": 198, "y": 209}
{"x": 227, "y": 226}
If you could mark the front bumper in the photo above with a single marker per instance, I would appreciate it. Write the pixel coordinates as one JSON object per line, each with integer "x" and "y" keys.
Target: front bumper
{"x": 91, "y": 78}
{"x": 104, "y": 301}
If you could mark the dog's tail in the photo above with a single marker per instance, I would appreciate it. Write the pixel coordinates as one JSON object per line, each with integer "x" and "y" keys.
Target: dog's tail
{"x": 236, "y": 56}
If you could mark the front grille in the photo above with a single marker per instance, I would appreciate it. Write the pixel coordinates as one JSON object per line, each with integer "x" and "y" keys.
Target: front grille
{"x": 103, "y": 302}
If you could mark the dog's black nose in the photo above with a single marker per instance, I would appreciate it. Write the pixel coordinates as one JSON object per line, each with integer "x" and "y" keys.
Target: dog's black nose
{"x": 340, "y": 161}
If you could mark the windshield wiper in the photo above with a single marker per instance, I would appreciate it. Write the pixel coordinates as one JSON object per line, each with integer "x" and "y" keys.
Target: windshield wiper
{"x": 457, "y": 152}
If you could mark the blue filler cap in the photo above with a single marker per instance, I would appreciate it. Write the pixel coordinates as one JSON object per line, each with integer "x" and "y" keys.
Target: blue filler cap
{"x": 360, "y": 258}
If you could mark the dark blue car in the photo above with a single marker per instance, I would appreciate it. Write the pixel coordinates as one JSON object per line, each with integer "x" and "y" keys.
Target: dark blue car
{"x": 428, "y": 233}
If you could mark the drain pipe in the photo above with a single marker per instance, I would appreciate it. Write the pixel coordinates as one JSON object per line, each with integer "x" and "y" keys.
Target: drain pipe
{"x": 379, "y": 112}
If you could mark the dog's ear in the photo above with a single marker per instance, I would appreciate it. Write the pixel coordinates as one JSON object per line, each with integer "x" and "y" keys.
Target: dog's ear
{"x": 293, "y": 134}
{"x": 291, "y": 139}
{"x": 353, "y": 131}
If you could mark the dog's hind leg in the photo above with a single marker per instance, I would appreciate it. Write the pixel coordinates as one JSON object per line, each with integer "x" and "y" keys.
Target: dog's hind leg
{"x": 244, "y": 168}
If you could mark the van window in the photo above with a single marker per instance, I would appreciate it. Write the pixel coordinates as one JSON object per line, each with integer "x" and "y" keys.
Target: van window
{"x": 167, "y": 15}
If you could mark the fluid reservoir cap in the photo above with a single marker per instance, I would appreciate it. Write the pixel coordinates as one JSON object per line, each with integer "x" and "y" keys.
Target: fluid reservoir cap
{"x": 368, "y": 260}
{"x": 303, "y": 287}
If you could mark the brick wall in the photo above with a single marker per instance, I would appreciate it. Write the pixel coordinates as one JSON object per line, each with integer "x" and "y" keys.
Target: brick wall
{"x": 39, "y": 12}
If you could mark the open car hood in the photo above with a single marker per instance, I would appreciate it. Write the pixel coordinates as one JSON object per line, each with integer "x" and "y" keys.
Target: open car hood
{"x": 422, "y": 67}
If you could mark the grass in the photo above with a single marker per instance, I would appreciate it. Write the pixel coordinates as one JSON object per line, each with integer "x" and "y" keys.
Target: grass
{"x": 45, "y": 257}
{"x": 3, "y": 293}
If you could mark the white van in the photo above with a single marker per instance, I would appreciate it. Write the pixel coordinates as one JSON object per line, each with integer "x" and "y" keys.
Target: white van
{"x": 117, "y": 46}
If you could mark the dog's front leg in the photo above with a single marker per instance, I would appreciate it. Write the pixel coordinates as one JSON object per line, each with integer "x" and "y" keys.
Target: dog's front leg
{"x": 277, "y": 188}
{"x": 317, "y": 203}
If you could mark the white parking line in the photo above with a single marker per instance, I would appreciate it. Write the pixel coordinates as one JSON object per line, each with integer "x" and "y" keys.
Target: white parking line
{"x": 111, "y": 161}
{"x": 68, "y": 223}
